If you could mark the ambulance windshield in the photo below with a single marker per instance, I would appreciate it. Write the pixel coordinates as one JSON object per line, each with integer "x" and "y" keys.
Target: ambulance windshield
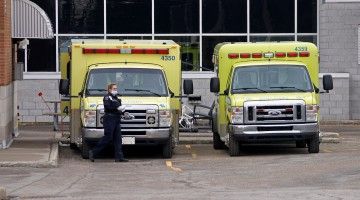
{"x": 271, "y": 78}
{"x": 130, "y": 81}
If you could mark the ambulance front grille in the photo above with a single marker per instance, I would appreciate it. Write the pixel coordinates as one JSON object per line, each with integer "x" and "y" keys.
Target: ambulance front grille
{"x": 274, "y": 111}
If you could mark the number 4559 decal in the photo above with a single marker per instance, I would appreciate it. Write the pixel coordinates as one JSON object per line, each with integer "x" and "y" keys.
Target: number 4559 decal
{"x": 168, "y": 58}
{"x": 300, "y": 48}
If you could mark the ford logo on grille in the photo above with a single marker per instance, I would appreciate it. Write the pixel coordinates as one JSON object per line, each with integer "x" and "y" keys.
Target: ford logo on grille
{"x": 128, "y": 116}
{"x": 274, "y": 112}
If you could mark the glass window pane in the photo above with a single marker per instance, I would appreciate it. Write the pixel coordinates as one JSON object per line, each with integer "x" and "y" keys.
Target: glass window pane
{"x": 308, "y": 38}
{"x": 224, "y": 16}
{"x": 209, "y": 44}
{"x": 49, "y": 7}
{"x": 307, "y": 16}
{"x": 130, "y": 37}
{"x": 64, "y": 42}
{"x": 130, "y": 16}
{"x": 190, "y": 56}
{"x": 271, "y": 38}
{"x": 275, "y": 16}
{"x": 41, "y": 55}
{"x": 176, "y": 16}
{"x": 81, "y": 16}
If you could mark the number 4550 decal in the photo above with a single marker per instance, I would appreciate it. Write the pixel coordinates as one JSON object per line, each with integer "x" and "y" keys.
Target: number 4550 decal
{"x": 168, "y": 58}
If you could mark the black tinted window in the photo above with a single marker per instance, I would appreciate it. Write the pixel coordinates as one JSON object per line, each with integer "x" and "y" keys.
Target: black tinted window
{"x": 176, "y": 16}
{"x": 81, "y": 16}
{"x": 130, "y": 16}
{"x": 224, "y": 16}
{"x": 272, "y": 16}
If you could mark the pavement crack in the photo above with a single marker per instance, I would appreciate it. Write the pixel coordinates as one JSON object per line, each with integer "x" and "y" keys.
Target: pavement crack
{"x": 24, "y": 186}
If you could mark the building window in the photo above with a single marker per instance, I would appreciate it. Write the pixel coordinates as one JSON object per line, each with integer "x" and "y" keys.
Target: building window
{"x": 196, "y": 25}
{"x": 189, "y": 52}
{"x": 307, "y": 15}
{"x": 271, "y": 38}
{"x": 209, "y": 44}
{"x": 49, "y": 7}
{"x": 131, "y": 16}
{"x": 85, "y": 16}
{"x": 224, "y": 16}
{"x": 41, "y": 55}
{"x": 275, "y": 16}
{"x": 176, "y": 16}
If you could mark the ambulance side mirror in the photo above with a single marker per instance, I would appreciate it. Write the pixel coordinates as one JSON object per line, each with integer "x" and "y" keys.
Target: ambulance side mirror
{"x": 188, "y": 86}
{"x": 214, "y": 85}
{"x": 328, "y": 82}
{"x": 64, "y": 87}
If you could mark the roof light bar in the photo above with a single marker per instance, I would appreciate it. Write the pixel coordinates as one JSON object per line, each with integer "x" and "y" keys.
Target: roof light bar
{"x": 124, "y": 51}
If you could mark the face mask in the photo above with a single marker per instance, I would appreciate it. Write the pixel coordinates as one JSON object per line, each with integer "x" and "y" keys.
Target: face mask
{"x": 114, "y": 92}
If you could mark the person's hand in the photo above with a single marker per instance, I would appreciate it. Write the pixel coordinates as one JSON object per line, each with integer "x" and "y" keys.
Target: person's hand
{"x": 121, "y": 108}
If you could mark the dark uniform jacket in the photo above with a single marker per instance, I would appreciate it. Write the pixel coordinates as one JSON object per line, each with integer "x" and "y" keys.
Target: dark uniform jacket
{"x": 111, "y": 104}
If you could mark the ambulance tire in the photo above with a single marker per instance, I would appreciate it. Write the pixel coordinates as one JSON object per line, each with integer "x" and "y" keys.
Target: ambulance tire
{"x": 300, "y": 144}
{"x": 73, "y": 146}
{"x": 217, "y": 143}
{"x": 85, "y": 150}
{"x": 234, "y": 146}
{"x": 314, "y": 144}
{"x": 167, "y": 149}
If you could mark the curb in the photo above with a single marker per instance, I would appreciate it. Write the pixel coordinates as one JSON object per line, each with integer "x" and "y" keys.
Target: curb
{"x": 50, "y": 163}
{"x": 325, "y": 137}
{"x": 2, "y": 193}
{"x": 329, "y": 137}
{"x": 194, "y": 140}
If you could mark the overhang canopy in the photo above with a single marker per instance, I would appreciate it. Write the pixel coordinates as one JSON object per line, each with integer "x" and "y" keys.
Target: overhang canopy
{"x": 30, "y": 21}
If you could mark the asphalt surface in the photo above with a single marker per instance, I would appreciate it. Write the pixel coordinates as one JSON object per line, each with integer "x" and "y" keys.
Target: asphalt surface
{"x": 199, "y": 172}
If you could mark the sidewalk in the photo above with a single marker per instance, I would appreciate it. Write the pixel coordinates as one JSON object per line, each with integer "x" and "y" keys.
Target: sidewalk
{"x": 34, "y": 147}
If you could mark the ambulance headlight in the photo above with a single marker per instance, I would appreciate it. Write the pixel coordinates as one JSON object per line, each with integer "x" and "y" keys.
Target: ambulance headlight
{"x": 90, "y": 118}
{"x": 312, "y": 112}
{"x": 165, "y": 118}
{"x": 236, "y": 115}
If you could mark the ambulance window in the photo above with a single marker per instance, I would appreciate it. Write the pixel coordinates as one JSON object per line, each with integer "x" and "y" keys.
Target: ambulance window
{"x": 272, "y": 78}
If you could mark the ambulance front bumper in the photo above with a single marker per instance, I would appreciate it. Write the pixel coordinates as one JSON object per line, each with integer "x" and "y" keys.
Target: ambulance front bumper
{"x": 149, "y": 136}
{"x": 269, "y": 133}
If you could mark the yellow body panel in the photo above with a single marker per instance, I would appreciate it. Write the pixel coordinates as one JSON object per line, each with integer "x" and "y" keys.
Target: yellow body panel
{"x": 81, "y": 64}
{"x": 225, "y": 66}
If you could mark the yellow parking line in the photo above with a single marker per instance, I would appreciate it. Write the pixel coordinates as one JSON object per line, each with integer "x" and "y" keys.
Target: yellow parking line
{"x": 169, "y": 164}
{"x": 193, "y": 153}
{"x": 327, "y": 151}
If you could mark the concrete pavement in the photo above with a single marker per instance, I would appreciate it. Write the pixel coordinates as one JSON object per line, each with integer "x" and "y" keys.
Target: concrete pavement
{"x": 197, "y": 171}
{"x": 33, "y": 148}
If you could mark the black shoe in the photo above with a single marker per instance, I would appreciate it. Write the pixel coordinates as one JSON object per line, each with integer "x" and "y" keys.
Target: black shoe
{"x": 122, "y": 160}
{"x": 91, "y": 156}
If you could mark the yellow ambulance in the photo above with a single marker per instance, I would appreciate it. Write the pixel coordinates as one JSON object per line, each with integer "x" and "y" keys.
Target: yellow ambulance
{"x": 266, "y": 92}
{"x": 148, "y": 75}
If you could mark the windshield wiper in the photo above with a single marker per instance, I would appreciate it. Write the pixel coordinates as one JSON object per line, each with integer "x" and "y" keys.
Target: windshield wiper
{"x": 140, "y": 90}
{"x": 285, "y": 87}
{"x": 250, "y": 88}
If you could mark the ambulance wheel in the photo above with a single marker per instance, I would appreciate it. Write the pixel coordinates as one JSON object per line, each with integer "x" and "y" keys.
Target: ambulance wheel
{"x": 314, "y": 144}
{"x": 300, "y": 144}
{"x": 167, "y": 149}
{"x": 217, "y": 143}
{"x": 73, "y": 146}
{"x": 85, "y": 150}
{"x": 234, "y": 146}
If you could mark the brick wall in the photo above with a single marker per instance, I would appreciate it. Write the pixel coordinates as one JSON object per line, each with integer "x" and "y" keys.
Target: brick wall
{"x": 338, "y": 45}
{"x": 5, "y": 43}
{"x": 6, "y": 86}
